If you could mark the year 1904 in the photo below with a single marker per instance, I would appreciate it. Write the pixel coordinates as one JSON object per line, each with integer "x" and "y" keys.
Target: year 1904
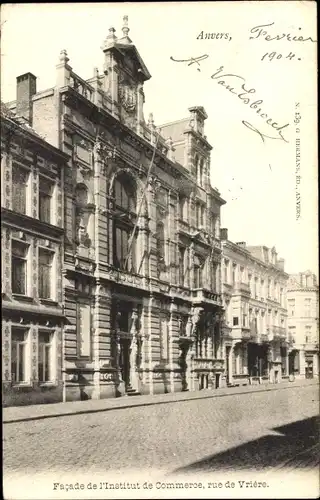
{"x": 270, "y": 56}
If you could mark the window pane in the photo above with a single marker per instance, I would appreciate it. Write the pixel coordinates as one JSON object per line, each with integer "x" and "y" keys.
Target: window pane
{"x": 21, "y": 362}
{"x": 40, "y": 362}
{"x": 19, "y": 185}
{"x": 18, "y": 284}
{"x": 47, "y": 374}
{"x": 45, "y": 186}
{"x": 45, "y": 261}
{"x": 44, "y": 208}
{"x": 19, "y": 249}
{"x": 14, "y": 362}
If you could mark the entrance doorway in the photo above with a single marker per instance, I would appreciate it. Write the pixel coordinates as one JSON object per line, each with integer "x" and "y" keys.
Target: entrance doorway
{"x": 203, "y": 382}
{"x": 228, "y": 349}
{"x": 124, "y": 361}
{"x": 217, "y": 380}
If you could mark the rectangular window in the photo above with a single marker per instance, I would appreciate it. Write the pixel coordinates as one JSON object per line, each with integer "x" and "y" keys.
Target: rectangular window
{"x": 308, "y": 334}
{"x": 226, "y": 264}
{"x": 233, "y": 274}
{"x": 197, "y": 272}
{"x": 45, "y": 273}
{"x": 121, "y": 247}
{"x": 181, "y": 265}
{"x": 45, "y": 196}
{"x": 235, "y": 321}
{"x": 19, "y": 254}
{"x": 199, "y": 215}
{"x": 19, "y": 189}
{"x": 244, "y": 320}
{"x": 45, "y": 357}
{"x": 291, "y": 306}
{"x": 18, "y": 355}
{"x": 307, "y": 308}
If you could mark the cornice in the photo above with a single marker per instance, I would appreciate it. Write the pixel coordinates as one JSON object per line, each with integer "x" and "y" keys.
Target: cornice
{"x": 29, "y": 224}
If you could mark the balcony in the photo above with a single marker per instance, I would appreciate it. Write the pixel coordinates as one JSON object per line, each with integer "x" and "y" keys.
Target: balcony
{"x": 277, "y": 333}
{"x": 202, "y": 295}
{"x": 242, "y": 288}
{"x": 241, "y": 332}
{"x": 184, "y": 227}
{"x": 208, "y": 364}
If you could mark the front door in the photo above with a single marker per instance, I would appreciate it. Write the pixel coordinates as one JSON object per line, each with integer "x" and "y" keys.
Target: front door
{"x": 125, "y": 361}
{"x": 228, "y": 349}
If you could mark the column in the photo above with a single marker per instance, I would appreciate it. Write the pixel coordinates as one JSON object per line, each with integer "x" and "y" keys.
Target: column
{"x": 151, "y": 300}
{"x": 287, "y": 362}
{"x": 173, "y": 309}
{"x": 316, "y": 365}
{"x": 245, "y": 358}
{"x": 302, "y": 364}
{"x": 134, "y": 380}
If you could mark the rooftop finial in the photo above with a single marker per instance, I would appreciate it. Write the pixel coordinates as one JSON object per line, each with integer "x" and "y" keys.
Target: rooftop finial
{"x": 125, "y": 29}
{"x": 63, "y": 56}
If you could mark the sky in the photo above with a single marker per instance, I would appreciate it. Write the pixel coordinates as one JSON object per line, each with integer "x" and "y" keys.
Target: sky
{"x": 256, "y": 175}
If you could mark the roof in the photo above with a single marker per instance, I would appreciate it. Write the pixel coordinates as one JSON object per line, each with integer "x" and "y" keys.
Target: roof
{"x": 18, "y": 124}
{"x": 175, "y": 130}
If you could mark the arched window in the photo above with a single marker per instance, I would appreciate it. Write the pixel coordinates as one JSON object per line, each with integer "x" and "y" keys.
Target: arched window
{"x": 123, "y": 245}
{"x": 125, "y": 193}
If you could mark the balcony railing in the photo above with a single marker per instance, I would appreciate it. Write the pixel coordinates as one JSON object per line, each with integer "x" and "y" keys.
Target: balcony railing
{"x": 200, "y": 294}
{"x": 81, "y": 86}
{"x": 276, "y": 332}
{"x": 240, "y": 287}
{"x": 200, "y": 364}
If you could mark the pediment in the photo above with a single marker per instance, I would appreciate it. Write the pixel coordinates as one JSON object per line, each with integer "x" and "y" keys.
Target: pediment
{"x": 132, "y": 55}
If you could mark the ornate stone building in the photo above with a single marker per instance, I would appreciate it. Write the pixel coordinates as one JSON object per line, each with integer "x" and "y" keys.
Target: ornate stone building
{"x": 303, "y": 323}
{"x": 255, "y": 332}
{"x": 142, "y": 291}
{"x": 32, "y": 252}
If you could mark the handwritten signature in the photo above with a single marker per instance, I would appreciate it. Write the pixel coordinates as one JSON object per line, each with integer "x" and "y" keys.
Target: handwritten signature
{"x": 242, "y": 91}
{"x": 259, "y": 32}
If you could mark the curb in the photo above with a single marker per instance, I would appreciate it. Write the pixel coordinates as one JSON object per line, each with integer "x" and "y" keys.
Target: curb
{"x": 150, "y": 403}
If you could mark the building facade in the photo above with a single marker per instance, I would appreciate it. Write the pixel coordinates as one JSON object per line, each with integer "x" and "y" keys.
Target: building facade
{"x": 255, "y": 324}
{"x": 303, "y": 323}
{"x": 32, "y": 231}
{"x": 142, "y": 251}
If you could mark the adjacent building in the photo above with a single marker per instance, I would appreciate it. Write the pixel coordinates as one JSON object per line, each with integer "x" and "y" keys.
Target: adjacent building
{"x": 255, "y": 324}
{"x": 141, "y": 287}
{"x": 303, "y": 324}
{"x": 32, "y": 233}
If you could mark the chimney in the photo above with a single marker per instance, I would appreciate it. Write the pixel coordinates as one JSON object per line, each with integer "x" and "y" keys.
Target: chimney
{"x": 26, "y": 88}
{"x": 224, "y": 233}
{"x": 241, "y": 244}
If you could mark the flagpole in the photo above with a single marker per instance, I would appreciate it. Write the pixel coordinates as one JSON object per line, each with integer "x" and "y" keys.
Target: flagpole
{"x": 141, "y": 201}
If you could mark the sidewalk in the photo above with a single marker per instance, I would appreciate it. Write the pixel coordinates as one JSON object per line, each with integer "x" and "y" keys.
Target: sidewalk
{"x": 37, "y": 412}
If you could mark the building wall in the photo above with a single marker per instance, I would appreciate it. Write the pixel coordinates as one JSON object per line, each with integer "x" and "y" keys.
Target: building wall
{"x": 101, "y": 150}
{"x": 254, "y": 296}
{"x": 303, "y": 322}
{"x": 30, "y": 324}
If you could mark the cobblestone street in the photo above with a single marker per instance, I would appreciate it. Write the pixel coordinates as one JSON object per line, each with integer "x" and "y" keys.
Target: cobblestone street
{"x": 243, "y": 431}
